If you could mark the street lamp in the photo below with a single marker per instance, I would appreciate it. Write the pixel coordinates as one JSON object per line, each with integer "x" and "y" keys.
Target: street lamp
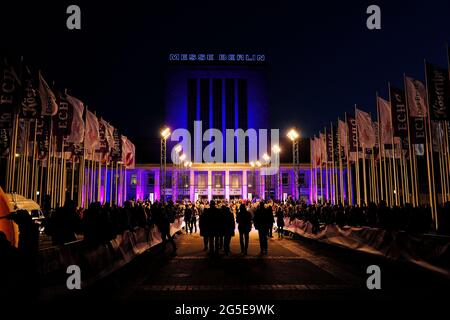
{"x": 165, "y": 134}
{"x": 294, "y": 136}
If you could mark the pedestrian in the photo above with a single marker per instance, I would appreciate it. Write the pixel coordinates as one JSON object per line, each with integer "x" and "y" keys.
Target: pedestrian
{"x": 187, "y": 219}
{"x": 193, "y": 221}
{"x": 262, "y": 222}
{"x": 162, "y": 218}
{"x": 203, "y": 224}
{"x": 228, "y": 228}
{"x": 214, "y": 228}
{"x": 244, "y": 220}
{"x": 271, "y": 221}
{"x": 280, "y": 222}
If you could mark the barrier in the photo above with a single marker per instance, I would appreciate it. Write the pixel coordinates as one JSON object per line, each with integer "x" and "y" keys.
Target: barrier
{"x": 425, "y": 250}
{"x": 100, "y": 260}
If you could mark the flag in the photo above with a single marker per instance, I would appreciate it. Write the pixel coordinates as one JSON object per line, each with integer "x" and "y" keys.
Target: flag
{"x": 329, "y": 141}
{"x": 10, "y": 85}
{"x": 323, "y": 148}
{"x": 62, "y": 120}
{"x": 342, "y": 132}
{"x": 438, "y": 88}
{"x": 76, "y": 135}
{"x": 103, "y": 147}
{"x": 116, "y": 150}
{"x": 366, "y": 132}
{"x": 6, "y": 121}
{"x": 48, "y": 99}
{"x": 387, "y": 131}
{"x": 92, "y": 134}
{"x": 352, "y": 138}
{"x": 43, "y": 136}
{"x": 417, "y": 98}
{"x": 417, "y": 130}
{"x": 128, "y": 156}
{"x": 398, "y": 111}
{"x": 30, "y": 106}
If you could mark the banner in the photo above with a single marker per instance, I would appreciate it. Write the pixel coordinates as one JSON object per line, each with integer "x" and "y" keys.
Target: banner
{"x": 323, "y": 148}
{"x": 128, "y": 155}
{"x": 385, "y": 114}
{"x": 30, "y": 106}
{"x": 417, "y": 98}
{"x": 438, "y": 88}
{"x": 48, "y": 99}
{"x": 62, "y": 120}
{"x": 417, "y": 130}
{"x": 9, "y": 87}
{"x": 329, "y": 145}
{"x": 398, "y": 111}
{"x": 43, "y": 124}
{"x": 343, "y": 141}
{"x": 6, "y": 120}
{"x": 116, "y": 150}
{"x": 92, "y": 134}
{"x": 366, "y": 132}
{"x": 76, "y": 134}
{"x": 353, "y": 139}
{"x": 102, "y": 148}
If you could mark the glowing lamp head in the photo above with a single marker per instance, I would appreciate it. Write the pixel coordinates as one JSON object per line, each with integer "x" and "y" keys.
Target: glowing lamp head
{"x": 252, "y": 164}
{"x": 165, "y": 133}
{"x": 182, "y": 157}
{"x": 258, "y": 164}
{"x": 266, "y": 157}
{"x": 276, "y": 149}
{"x": 293, "y": 134}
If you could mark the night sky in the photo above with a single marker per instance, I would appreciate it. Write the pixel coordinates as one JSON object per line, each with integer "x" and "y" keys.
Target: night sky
{"x": 322, "y": 58}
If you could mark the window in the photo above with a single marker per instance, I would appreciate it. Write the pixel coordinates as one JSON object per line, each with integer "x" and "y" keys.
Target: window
{"x": 302, "y": 180}
{"x": 133, "y": 180}
{"x": 234, "y": 180}
{"x": 285, "y": 178}
{"x": 202, "y": 180}
{"x": 151, "y": 179}
{"x": 218, "y": 180}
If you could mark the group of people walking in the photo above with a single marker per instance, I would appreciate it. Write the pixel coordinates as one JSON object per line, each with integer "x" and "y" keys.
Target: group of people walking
{"x": 217, "y": 224}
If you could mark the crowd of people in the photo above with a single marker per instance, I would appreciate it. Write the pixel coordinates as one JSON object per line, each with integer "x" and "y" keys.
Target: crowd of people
{"x": 216, "y": 221}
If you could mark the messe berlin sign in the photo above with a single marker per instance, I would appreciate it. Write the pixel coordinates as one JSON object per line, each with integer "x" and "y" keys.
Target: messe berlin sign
{"x": 217, "y": 57}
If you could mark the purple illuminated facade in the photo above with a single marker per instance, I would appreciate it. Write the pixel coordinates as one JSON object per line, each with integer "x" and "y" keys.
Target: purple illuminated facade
{"x": 223, "y": 91}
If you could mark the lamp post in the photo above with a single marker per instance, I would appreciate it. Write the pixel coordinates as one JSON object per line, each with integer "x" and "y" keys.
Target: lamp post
{"x": 258, "y": 165}
{"x": 266, "y": 159}
{"x": 165, "y": 134}
{"x": 276, "y": 150}
{"x": 175, "y": 171}
{"x": 294, "y": 136}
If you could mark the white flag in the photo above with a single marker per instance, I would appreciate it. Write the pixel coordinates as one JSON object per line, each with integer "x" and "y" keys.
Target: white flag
{"x": 92, "y": 133}
{"x": 417, "y": 98}
{"x": 48, "y": 99}
{"x": 366, "y": 132}
{"x": 76, "y": 135}
{"x": 387, "y": 130}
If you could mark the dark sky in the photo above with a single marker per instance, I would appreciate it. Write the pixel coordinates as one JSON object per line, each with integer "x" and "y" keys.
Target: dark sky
{"x": 322, "y": 58}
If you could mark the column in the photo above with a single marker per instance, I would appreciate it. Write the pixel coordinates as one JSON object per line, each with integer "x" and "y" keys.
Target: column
{"x": 209, "y": 185}
{"x": 244, "y": 184}
{"x": 227, "y": 184}
{"x": 192, "y": 185}
{"x": 157, "y": 189}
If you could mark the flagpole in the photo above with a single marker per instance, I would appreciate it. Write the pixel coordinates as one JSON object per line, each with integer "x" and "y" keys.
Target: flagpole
{"x": 358, "y": 182}
{"x": 430, "y": 165}
{"x": 349, "y": 169}
{"x": 381, "y": 150}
